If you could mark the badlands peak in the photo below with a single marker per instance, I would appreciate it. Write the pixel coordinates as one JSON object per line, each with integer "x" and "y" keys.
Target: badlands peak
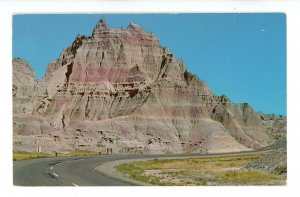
{"x": 120, "y": 89}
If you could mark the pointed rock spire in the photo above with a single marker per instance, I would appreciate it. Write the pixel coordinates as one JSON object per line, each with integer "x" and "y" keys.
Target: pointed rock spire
{"x": 133, "y": 26}
{"x": 102, "y": 24}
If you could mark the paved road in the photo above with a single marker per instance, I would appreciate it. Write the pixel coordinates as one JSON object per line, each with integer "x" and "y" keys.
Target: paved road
{"x": 75, "y": 171}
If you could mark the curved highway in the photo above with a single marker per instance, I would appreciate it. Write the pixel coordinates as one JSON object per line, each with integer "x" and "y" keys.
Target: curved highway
{"x": 77, "y": 171}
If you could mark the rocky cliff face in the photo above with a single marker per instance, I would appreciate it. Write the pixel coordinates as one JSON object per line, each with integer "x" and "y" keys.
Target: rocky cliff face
{"x": 120, "y": 89}
{"x": 24, "y": 86}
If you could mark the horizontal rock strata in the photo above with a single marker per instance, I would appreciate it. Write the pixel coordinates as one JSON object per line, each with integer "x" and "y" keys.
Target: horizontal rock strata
{"x": 120, "y": 89}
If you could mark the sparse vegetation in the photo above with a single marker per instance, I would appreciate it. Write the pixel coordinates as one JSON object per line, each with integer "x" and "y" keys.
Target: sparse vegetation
{"x": 281, "y": 169}
{"x": 23, "y": 155}
{"x": 247, "y": 177}
{"x": 200, "y": 171}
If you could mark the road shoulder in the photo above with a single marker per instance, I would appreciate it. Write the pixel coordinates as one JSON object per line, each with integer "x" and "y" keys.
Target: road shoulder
{"x": 109, "y": 169}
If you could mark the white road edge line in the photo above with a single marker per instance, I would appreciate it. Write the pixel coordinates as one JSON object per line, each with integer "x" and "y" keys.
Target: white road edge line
{"x": 75, "y": 185}
{"x": 55, "y": 174}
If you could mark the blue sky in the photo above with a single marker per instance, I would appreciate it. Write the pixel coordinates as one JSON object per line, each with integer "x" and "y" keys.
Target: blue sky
{"x": 240, "y": 55}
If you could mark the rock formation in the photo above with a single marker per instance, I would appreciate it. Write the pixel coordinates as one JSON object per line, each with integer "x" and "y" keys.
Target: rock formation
{"x": 120, "y": 89}
{"x": 24, "y": 86}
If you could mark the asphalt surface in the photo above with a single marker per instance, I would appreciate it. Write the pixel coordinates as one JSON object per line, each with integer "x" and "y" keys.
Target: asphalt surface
{"x": 76, "y": 171}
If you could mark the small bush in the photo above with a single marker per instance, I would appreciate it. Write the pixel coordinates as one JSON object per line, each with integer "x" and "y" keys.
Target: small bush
{"x": 281, "y": 169}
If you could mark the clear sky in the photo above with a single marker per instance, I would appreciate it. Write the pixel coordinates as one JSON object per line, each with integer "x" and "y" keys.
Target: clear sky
{"x": 240, "y": 55}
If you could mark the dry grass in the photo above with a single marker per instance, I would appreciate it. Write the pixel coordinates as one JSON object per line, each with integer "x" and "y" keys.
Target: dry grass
{"x": 201, "y": 171}
{"x": 22, "y": 155}
{"x": 246, "y": 177}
